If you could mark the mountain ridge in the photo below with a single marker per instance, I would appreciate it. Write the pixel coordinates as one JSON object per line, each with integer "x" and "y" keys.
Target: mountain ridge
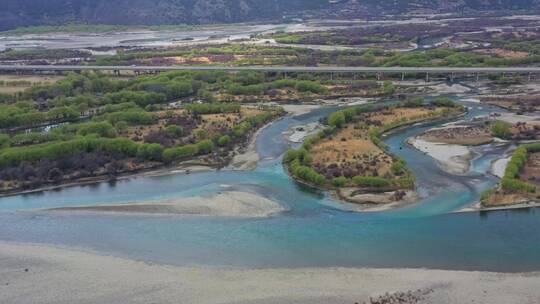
{"x": 18, "y": 13}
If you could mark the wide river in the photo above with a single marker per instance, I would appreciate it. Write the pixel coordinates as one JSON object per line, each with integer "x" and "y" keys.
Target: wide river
{"x": 315, "y": 231}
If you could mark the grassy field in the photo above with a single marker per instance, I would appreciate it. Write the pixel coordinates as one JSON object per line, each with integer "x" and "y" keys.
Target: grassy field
{"x": 351, "y": 151}
{"x": 10, "y": 84}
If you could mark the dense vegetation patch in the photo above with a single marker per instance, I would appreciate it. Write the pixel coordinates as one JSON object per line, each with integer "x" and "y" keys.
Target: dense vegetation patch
{"x": 516, "y": 184}
{"x": 349, "y": 152}
{"x": 89, "y": 125}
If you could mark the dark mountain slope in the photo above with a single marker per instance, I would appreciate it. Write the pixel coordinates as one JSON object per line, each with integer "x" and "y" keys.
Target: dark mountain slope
{"x": 14, "y": 13}
{"x": 52, "y": 12}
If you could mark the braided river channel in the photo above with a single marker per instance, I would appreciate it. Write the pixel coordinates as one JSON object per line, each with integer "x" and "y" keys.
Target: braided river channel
{"x": 314, "y": 231}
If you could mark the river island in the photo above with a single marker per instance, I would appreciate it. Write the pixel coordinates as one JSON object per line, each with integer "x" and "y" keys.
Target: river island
{"x": 349, "y": 157}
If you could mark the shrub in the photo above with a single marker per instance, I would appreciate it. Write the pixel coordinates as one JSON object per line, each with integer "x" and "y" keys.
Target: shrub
{"x": 532, "y": 148}
{"x": 150, "y": 151}
{"x": 205, "y": 146}
{"x": 444, "y": 102}
{"x": 103, "y": 129}
{"x": 175, "y": 131}
{"x": 254, "y": 89}
{"x": 510, "y": 181}
{"x": 172, "y": 154}
{"x": 515, "y": 185}
{"x": 121, "y": 126}
{"x": 141, "y": 98}
{"x": 213, "y": 108}
{"x": 4, "y": 141}
{"x": 340, "y": 181}
{"x": 306, "y": 173}
{"x": 398, "y": 167}
{"x": 406, "y": 182}
{"x": 290, "y": 156}
{"x": 57, "y": 150}
{"x": 388, "y": 88}
{"x": 224, "y": 140}
{"x": 30, "y": 138}
{"x": 310, "y": 86}
{"x": 413, "y": 103}
{"x": 501, "y": 129}
{"x": 179, "y": 89}
{"x": 132, "y": 117}
{"x": 368, "y": 181}
{"x": 337, "y": 120}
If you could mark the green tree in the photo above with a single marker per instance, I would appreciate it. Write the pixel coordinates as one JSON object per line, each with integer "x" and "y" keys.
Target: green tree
{"x": 501, "y": 129}
{"x": 388, "y": 88}
{"x": 224, "y": 140}
{"x": 205, "y": 146}
{"x": 103, "y": 129}
{"x": 368, "y": 181}
{"x": 337, "y": 120}
{"x": 340, "y": 181}
{"x": 175, "y": 131}
{"x": 150, "y": 151}
{"x": 4, "y": 141}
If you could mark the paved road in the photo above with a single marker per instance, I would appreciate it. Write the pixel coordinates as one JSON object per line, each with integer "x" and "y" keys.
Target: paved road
{"x": 325, "y": 69}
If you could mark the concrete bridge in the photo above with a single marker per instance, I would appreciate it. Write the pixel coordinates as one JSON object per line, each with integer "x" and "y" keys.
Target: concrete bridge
{"x": 379, "y": 71}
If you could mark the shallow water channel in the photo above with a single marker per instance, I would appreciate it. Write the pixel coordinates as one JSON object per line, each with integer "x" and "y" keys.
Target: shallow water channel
{"x": 315, "y": 231}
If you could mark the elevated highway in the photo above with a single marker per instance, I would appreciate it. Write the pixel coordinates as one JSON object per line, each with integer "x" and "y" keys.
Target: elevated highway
{"x": 451, "y": 72}
{"x": 319, "y": 69}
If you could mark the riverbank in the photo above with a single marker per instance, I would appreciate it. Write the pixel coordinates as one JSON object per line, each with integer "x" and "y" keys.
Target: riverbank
{"x": 376, "y": 202}
{"x": 43, "y": 274}
{"x": 246, "y": 158}
{"x": 186, "y": 167}
{"x": 454, "y": 159}
{"x": 479, "y": 208}
{"x": 225, "y": 204}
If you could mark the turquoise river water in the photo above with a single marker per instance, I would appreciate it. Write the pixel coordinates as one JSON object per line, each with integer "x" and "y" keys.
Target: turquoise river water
{"x": 315, "y": 231}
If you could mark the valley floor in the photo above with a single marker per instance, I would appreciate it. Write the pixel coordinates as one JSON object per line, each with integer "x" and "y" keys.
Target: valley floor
{"x": 41, "y": 274}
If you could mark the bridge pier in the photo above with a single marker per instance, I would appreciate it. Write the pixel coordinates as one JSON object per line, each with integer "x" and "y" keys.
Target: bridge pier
{"x": 402, "y": 76}
{"x": 427, "y": 77}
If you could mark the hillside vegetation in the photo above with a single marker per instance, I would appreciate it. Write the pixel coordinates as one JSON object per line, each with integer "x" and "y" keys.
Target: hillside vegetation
{"x": 17, "y": 13}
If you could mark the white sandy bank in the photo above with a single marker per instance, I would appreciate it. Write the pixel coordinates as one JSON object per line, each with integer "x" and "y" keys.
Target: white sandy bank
{"x": 498, "y": 167}
{"x": 226, "y": 204}
{"x": 452, "y": 158}
{"x": 300, "y": 109}
{"x": 41, "y": 274}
